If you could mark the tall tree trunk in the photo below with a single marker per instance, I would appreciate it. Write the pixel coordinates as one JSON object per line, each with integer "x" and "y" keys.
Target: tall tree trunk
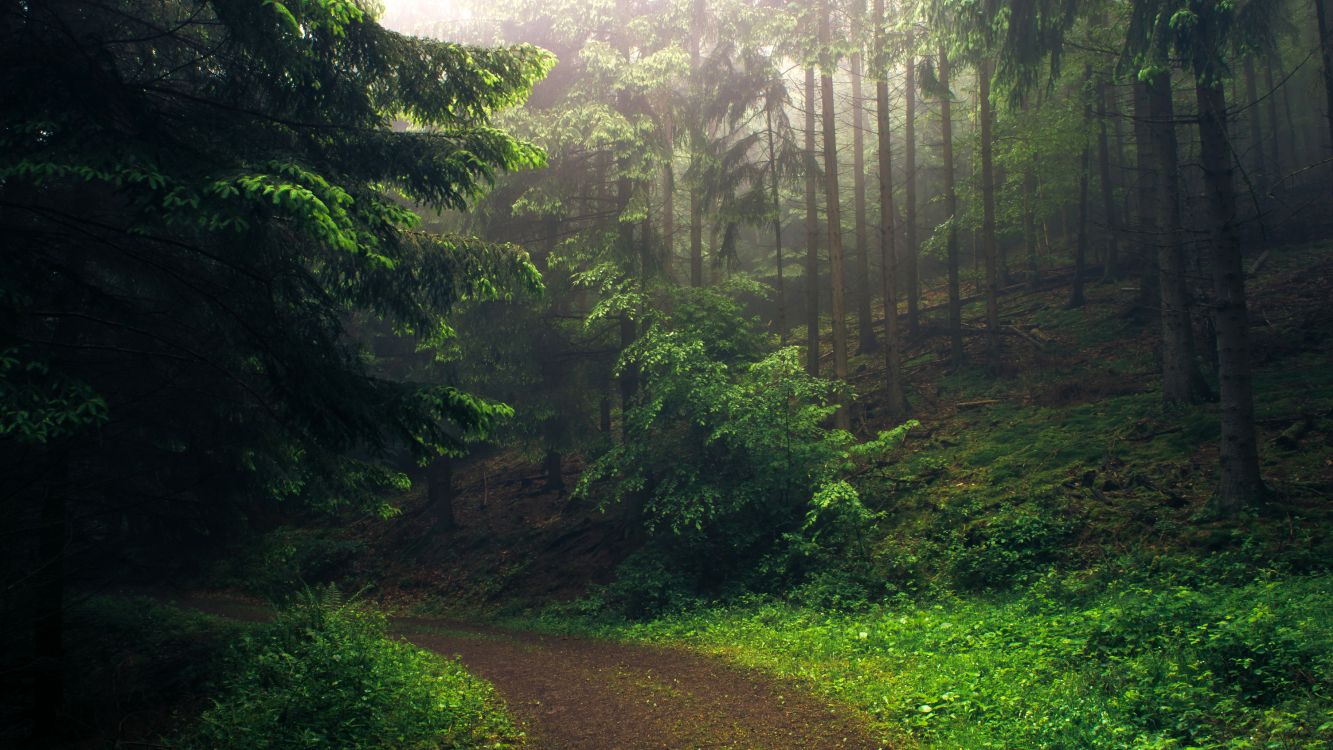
{"x": 1111, "y": 269}
{"x": 1076, "y": 297}
{"x": 1241, "y": 484}
{"x": 696, "y": 238}
{"x": 1181, "y": 379}
{"x": 1326, "y": 54}
{"x": 777, "y": 229}
{"x": 864, "y": 322}
{"x": 552, "y": 467}
{"x": 1145, "y": 210}
{"x": 1256, "y": 126}
{"x": 811, "y": 231}
{"x": 669, "y": 199}
{"x": 1030, "y": 220}
{"x": 913, "y": 285}
{"x": 842, "y": 419}
{"x": 48, "y": 689}
{"x": 440, "y": 493}
{"x": 1274, "y": 129}
{"x": 956, "y": 352}
{"x": 988, "y": 247}
{"x": 895, "y": 400}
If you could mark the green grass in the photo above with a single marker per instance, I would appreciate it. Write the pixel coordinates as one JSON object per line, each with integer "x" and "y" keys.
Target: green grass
{"x": 1078, "y": 661}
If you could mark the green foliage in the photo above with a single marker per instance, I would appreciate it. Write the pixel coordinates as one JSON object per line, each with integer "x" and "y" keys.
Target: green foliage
{"x": 1071, "y": 662}
{"x": 284, "y": 560}
{"x": 326, "y": 674}
{"x": 727, "y": 458}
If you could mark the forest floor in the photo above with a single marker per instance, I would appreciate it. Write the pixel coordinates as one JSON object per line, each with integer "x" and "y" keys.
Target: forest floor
{"x": 572, "y": 693}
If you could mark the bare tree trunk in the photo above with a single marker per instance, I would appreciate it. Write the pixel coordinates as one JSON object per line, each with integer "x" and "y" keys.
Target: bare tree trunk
{"x": 912, "y": 287}
{"x": 1241, "y": 485}
{"x": 842, "y": 419}
{"x": 1145, "y": 209}
{"x": 696, "y": 238}
{"x": 777, "y": 230}
{"x": 48, "y": 689}
{"x": 1275, "y": 139}
{"x": 669, "y": 199}
{"x": 811, "y": 231}
{"x": 1111, "y": 270}
{"x": 440, "y": 493}
{"x": 1326, "y": 54}
{"x": 1181, "y": 379}
{"x": 552, "y": 467}
{"x": 1076, "y": 297}
{"x": 1260, "y": 174}
{"x": 1030, "y": 221}
{"x": 989, "y": 250}
{"x": 956, "y": 352}
{"x": 895, "y": 400}
{"x": 864, "y": 322}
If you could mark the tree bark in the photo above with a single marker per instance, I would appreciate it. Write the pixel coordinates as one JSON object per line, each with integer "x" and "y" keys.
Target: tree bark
{"x": 1274, "y": 140}
{"x": 1256, "y": 127}
{"x": 1076, "y": 297}
{"x": 1326, "y": 54}
{"x": 781, "y": 291}
{"x": 669, "y": 199}
{"x": 895, "y": 400}
{"x": 1241, "y": 485}
{"x": 864, "y": 322}
{"x": 811, "y": 231}
{"x": 988, "y": 247}
{"x": 48, "y": 689}
{"x": 912, "y": 286}
{"x": 956, "y": 352}
{"x": 1182, "y": 381}
{"x": 1111, "y": 266}
{"x": 842, "y": 418}
{"x": 440, "y": 493}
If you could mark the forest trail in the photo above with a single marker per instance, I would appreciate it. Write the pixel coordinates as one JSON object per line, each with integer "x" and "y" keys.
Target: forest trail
{"x": 573, "y": 693}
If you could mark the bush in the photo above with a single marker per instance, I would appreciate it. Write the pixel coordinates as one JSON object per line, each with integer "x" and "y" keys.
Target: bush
{"x": 287, "y": 559}
{"x": 325, "y": 674}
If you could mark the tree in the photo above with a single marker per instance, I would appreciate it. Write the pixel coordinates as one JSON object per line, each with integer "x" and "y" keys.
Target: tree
{"x": 831, "y": 206}
{"x": 196, "y": 199}
{"x": 895, "y": 397}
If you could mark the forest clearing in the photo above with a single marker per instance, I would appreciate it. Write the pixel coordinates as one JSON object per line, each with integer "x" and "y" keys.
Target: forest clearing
{"x": 666, "y": 374}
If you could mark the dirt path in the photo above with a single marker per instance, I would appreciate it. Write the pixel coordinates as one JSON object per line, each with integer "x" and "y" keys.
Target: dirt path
{"x": 580, "y": 694}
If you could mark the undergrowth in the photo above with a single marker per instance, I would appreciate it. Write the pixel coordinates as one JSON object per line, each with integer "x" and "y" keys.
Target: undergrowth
{"x": 326, "y": 674}
{"x": 1088, "y": 660}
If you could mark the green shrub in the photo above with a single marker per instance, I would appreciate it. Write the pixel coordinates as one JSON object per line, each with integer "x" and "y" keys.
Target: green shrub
{"x": 325, "y": 674}
{"x": 286, "y": 560}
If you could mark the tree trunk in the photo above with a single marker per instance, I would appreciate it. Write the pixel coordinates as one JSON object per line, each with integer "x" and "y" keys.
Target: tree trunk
{"x": 1259, "y": 176}
{"x": 864, "y": 322}
{"x": 989, "y": 250}
{"x": 895, "y": 401}
{"x": 1145, "y": 209}
{"x": 1030, "y": 221}
{"x": 1111, "y": 266}
{"x": 811, "y": 231}
{"x": 1182, "y": 381}
{"x": 1274, "y": 139}
{"x": 552, "y": 467}
{"x": 440, "y": 493}
{"x": 956, "y": 353}
{"x": 1241, "y": 485}
{"x": 48, "y": 688}
{"x": 912, "y": 286}
{"x": 1076, "y": 297}
{"x": 781, "y": 291}
{"x": 696, "y": 238}
{"x": 842, "y": 419}
{"x": 1326, "y": 54}
{"x": 669, "y": 200}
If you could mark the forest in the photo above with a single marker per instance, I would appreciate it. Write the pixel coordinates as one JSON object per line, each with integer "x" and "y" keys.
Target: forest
{"x": 666, "y": 374}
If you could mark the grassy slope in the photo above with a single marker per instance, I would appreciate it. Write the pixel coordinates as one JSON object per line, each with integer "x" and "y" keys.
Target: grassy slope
{"x": 1046, "y": 574}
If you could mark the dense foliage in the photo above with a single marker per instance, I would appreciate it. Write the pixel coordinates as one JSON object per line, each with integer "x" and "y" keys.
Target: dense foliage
{"x": 326, "y": 674}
